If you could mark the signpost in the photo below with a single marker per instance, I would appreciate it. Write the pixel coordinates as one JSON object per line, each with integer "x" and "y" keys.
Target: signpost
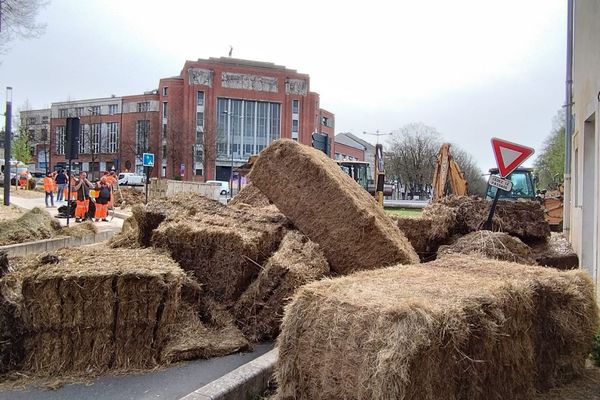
{"x": 509, "y": 156}
{"x": 148, "y": 163}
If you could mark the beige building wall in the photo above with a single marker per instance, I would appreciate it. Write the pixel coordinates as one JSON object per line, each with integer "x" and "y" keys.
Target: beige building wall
{"x": 585, "y": 155}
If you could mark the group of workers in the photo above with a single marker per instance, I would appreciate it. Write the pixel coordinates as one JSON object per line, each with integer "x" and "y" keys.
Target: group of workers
{"x": 83, "y": 192}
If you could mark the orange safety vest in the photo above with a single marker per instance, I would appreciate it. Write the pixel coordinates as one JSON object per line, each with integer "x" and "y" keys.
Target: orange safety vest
{"x": 49, "y": 184}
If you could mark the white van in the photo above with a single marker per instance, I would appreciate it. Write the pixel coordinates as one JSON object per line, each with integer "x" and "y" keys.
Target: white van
{"x": 224, "y": 187}
{"x": 131, "y": 179}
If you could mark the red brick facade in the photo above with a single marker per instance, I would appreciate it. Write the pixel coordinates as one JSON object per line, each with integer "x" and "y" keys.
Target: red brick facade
{"x": 242, "y": 106}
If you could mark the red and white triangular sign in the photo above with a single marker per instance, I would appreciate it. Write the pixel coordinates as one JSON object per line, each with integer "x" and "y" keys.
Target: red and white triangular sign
{"x": 509, "y": 155}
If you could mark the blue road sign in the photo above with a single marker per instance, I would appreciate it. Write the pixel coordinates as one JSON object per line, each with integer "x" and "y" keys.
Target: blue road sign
{"x": 148, "y": 159}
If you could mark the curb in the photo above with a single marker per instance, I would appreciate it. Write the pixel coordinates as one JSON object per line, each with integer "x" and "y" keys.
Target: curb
{"x": 40, "y": 246}
{"x": 242, "y": 383}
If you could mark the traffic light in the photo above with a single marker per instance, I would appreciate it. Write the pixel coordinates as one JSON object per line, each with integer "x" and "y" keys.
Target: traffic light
{"x": 320, "y": 141}
{"x": 72, "y": 131}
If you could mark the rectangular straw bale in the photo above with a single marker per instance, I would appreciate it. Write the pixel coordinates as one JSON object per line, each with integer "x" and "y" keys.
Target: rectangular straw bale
{"x": 330, "y": 208}
{"x": 225, "y": 259}
{"x": 444, "y": 330}
{"x": 259, "y": 310}
{"x": 566, "y": 313}
{"x": 425, "y": 234}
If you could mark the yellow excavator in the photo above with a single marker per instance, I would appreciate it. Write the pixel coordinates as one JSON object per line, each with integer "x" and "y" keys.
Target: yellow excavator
{"x": 447, "y": 171}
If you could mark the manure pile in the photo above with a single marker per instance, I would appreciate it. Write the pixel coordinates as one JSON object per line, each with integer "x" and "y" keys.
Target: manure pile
{"x": 456, "y": 328}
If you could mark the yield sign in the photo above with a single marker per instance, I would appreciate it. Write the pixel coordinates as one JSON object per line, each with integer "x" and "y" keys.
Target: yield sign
{"x": 509, "y": 155}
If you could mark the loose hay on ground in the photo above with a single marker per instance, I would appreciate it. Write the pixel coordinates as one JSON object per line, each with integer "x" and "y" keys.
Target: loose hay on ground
{"x": 329, "y": 207}
{"x": 260, "y": 308}
{"x": 35, "y": 224}
{"x": 524, "y": 219}
{"x": 496, "y": 245}
{"x": 128, "y": 237}
{"x": 79, "y": 230}
{"x": 457, "y": 328}
{"x": 128, "y": 197}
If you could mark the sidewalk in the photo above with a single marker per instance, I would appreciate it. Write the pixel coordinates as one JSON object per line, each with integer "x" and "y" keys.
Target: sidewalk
{"x": 30, "y": 203}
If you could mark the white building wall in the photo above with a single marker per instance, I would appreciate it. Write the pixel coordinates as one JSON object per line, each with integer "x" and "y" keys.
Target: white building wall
{"x": 585, "y": 156}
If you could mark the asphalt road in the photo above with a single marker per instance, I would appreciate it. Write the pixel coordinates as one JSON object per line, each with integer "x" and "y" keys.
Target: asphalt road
{"x": 171, "y": 383}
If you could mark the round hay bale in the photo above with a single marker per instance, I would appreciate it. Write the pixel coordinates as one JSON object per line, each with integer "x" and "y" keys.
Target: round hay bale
{"x": 496, "y": 245}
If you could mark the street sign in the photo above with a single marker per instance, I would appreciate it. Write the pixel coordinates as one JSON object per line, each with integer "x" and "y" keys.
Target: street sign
{"x": 509, "y": 155}
{"x": 148, "y": 159}
{"x": 500, "y": 183}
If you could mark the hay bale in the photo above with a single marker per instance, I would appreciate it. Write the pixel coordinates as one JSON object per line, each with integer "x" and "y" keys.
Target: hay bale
{"x": 35, "y": 224}
{"x": 128, "y": 197}
{"x": 250, "y": 195}
{"x": 128, "y": 237}
{"x": 330, "y": 208}
{"x": 297, "y": 261}
{"x": 524, "y": 219}
{"x": 557, "y": 252}
{"x": 496, "y": 245}
{"x": 425, "y": 234}
{"x": 11, "y": 331}
{"x": 456, "y": 328}
{"x": 4, "y": 266}
{"x": 89, "y": 313}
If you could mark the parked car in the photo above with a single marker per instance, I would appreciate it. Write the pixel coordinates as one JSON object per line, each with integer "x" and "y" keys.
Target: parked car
{"x": 131, "y": 179}
{"x": 224, "y": 186}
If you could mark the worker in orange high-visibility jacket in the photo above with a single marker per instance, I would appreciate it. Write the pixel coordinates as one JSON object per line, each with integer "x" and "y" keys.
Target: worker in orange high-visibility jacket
{"x": 82, "y": 188}
{"x": 49, "y": 188}
{"x": 111, "y": 179}
{"x": 102, "y": 201}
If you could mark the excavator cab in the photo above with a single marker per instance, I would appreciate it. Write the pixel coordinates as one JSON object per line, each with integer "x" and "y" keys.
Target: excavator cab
{"x": 523, "y": 185}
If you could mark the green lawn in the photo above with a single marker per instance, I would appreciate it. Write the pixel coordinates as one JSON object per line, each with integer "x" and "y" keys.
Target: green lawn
{"x": 405, "y": 212}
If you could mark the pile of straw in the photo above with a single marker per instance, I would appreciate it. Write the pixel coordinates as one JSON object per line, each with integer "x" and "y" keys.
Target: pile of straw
{"x": 456, "y": 328}
{"x": 251, "y": 196}
{"x": 495, "y": 245}
{"x": 79, "y": 230}
{"x": 35, "y": 224}
{"x": 91, "y": 313}
{"x": 128, "y": 237}
{"x": 523, "y": 219}
{"x": 260, "y": 308}
{"x": 329, "y": 207}
{"x": 128, "y": 197}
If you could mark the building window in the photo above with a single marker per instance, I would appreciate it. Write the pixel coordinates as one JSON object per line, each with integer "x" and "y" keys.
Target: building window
{"x": 165, "y": 91}
{"x": 78, "y": 111}
{"x": 295, "y": 106}
{"x": 295, "y": 126}
{"x": 325, "y": 121}
{"x": 94, "y": 110}
{"x": 200, "y": 99}
{"x": 164, "y": 131}
{"x": 44, "y": 134}
{"x": 31, "y": 120}
{"x": 63, "y": 113}
{"x": 45, "y": 119}
{"x": 113, "y": 109}
{"x": 142, "y": 130}
{"x": 60, "y": 139}
{"x": 143, "y": 106}
{"x": 164, "y": 152}
{"x": 165, "y": 109}
{"x": 245, "y": 127}
{"x": 112, "y": 133}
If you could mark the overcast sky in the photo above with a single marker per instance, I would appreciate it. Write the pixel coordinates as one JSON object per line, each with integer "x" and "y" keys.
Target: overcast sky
{"x": 472, "y": 69}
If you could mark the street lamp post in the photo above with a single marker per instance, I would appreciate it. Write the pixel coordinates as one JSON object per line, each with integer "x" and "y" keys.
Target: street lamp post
{"x": 7, "y": 140}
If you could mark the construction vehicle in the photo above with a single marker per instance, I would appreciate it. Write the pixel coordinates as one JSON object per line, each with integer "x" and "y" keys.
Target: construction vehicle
{"x": 360, "y": 171}
{"x": 447, "y": 171}
{"x": 524, "y": 188}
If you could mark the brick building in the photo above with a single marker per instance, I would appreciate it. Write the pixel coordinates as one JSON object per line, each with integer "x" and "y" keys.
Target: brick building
{"x": 199, "y": 124}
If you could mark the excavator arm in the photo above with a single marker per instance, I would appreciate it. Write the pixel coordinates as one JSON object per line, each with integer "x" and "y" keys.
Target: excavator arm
{"x": 447, "y": 169}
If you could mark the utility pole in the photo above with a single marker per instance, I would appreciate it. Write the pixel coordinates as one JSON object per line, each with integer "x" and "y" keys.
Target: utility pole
{"x": 7, "y": 144}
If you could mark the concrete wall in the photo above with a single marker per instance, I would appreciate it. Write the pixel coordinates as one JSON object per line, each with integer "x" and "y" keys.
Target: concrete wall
{"x": 165, "y": 187}
{"x": 585, "y": 218}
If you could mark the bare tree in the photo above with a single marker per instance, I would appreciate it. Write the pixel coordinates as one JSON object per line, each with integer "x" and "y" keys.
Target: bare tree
{"x": 174, "y": 146}
{"x": 411, "y": 156}
{"x": 18, "y": 20}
